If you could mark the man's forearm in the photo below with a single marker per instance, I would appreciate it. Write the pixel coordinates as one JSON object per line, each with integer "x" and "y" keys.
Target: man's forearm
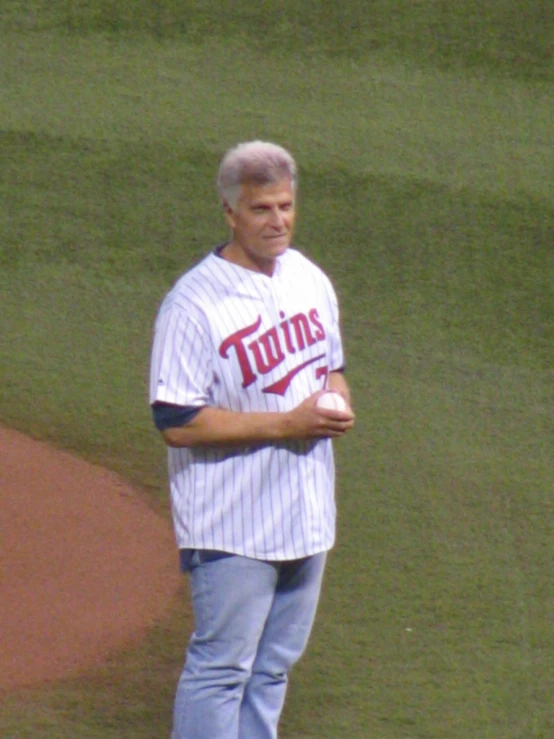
{"x": 215, "y": 426}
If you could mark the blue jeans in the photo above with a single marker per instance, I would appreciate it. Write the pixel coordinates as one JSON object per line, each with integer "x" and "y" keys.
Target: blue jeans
{"x": 252, "y": 623}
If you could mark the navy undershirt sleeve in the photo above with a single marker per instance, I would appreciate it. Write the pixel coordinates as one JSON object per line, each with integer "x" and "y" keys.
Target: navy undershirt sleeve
{"x": 168, "y": 415}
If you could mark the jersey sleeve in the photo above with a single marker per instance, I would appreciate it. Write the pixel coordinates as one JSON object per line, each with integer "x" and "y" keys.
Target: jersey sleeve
{"x": 181, "y": 365}
{"x": 336, "y": 351}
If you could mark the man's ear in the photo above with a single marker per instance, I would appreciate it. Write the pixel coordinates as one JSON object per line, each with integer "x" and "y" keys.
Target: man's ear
{"x": 229, "y": 215}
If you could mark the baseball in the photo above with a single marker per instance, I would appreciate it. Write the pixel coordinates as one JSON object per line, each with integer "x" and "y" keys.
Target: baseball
{"x": 332, "y": 401}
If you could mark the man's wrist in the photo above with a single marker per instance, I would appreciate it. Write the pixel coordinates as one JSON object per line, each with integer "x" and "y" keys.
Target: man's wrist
{"x": 283, "y": 427}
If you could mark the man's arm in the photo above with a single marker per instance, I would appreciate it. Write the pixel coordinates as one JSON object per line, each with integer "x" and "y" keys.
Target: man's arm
{"x": 219, "y": 427}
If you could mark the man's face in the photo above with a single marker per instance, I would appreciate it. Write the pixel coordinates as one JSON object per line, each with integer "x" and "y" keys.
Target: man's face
{"x": 262, "y": 224}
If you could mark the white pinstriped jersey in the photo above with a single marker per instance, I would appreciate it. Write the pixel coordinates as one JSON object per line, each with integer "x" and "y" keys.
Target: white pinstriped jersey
{"x": 237, "y": 339}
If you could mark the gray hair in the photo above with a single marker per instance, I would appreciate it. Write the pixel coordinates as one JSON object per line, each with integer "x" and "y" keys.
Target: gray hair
{"x": 256, "y": 163}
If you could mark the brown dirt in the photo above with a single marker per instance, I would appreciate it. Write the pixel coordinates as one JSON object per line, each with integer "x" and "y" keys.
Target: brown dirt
{"x": 85, "y": 565}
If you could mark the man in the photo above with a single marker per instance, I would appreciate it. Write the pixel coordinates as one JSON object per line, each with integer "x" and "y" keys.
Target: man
{"x": 244, "y": 345}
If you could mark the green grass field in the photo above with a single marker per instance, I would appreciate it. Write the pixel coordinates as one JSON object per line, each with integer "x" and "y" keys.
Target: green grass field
{"x": 425, "y": 132}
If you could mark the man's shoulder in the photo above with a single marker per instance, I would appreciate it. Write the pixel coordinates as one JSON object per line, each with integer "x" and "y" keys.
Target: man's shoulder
{"x": 197, "y": 283}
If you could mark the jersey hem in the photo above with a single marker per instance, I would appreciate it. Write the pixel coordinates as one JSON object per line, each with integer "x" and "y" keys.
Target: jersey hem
{"x": 261, "y": 557}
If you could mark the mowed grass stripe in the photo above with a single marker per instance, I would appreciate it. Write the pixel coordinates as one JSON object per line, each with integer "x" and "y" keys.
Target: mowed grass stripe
{"x": 500, "y": 37}
{"x": 371, "y": 116}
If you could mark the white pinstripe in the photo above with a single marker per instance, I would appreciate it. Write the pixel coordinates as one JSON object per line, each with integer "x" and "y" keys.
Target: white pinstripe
{"x": 267, "y": 502}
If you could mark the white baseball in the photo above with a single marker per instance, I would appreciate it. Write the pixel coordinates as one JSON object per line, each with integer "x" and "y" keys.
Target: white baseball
{"x": 332, "y": 401}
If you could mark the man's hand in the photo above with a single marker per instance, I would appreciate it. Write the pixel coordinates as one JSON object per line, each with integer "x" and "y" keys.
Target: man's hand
{"x": 307, "y": 421}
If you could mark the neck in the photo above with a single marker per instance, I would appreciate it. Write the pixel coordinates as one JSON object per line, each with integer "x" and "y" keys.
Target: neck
{"x": 235, "y": 254}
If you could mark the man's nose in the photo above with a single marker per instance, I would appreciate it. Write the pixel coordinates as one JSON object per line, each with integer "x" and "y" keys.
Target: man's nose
{"x": 276, "y": 219}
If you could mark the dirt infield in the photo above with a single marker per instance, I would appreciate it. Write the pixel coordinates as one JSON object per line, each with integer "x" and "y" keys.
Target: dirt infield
{"x": 85, "y": 565}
